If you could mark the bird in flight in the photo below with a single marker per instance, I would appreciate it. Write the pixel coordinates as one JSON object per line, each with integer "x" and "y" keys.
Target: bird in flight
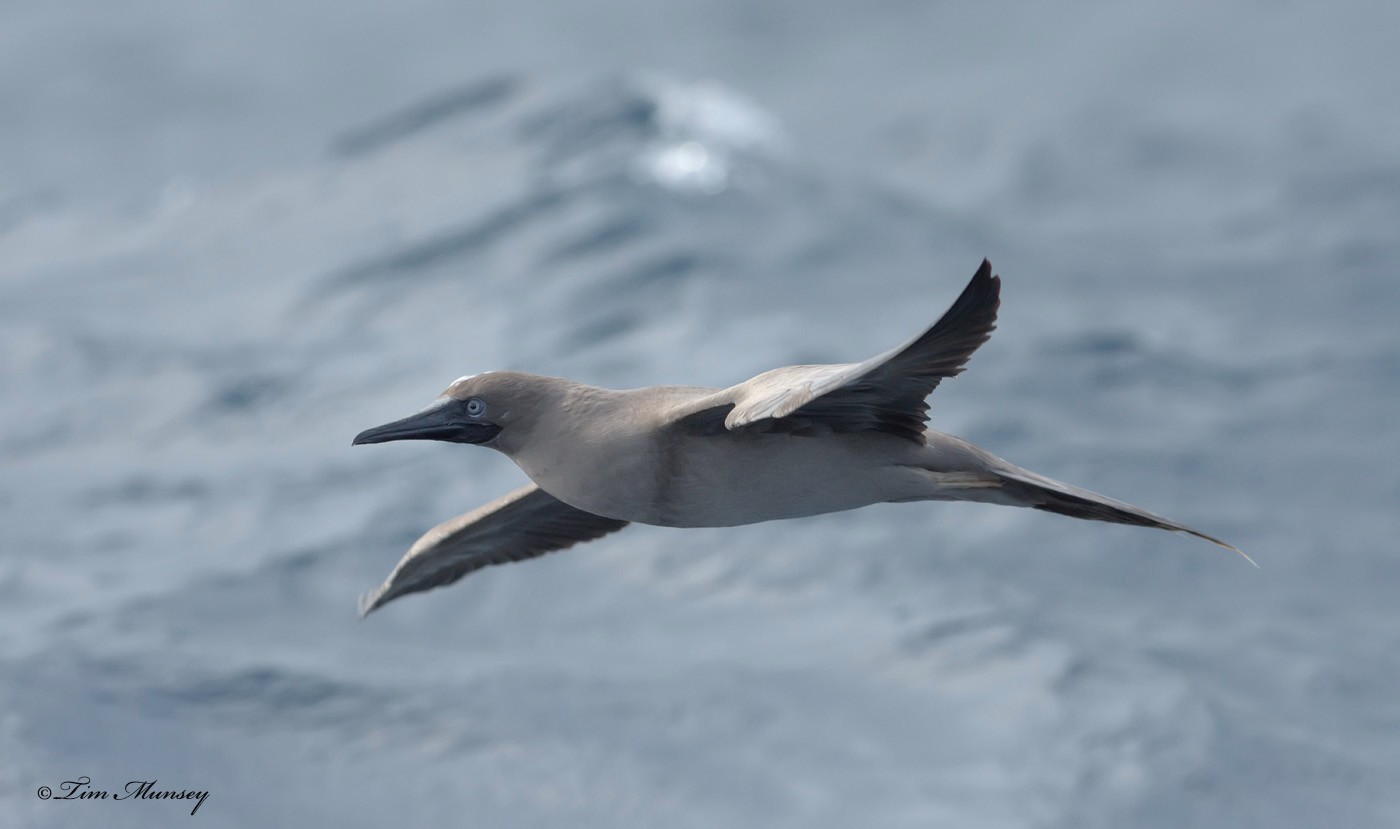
{"x": 791, "y": 442}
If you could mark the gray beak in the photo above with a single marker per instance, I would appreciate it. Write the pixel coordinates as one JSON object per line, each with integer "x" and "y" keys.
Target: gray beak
{"x": 448, "y": 421}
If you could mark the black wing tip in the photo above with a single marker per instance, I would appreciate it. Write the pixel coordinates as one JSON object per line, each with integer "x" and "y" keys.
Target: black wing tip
{"x": 979, "y": 302}
{"x": 984, "y": 277}
{"x": 371, "y": 602}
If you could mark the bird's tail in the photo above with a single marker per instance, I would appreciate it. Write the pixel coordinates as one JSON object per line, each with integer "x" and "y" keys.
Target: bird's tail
{"x": 1042, "y": 493}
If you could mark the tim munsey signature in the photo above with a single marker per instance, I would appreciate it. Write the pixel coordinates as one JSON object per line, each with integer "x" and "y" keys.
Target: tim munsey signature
{"x": 81, "y": 789}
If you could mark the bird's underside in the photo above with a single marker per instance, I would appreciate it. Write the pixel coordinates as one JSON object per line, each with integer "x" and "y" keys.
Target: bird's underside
{"x": 792, "y": 414}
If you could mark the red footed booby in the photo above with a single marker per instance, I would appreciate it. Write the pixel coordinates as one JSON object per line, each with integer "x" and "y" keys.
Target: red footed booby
{"x": 791, "y": 442}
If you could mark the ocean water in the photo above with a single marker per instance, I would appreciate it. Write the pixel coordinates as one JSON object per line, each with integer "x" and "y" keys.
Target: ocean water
{"x": 232, "y": 235}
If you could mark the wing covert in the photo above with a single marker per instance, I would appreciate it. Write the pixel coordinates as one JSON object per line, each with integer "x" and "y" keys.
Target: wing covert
{"x": 883, "y": 394}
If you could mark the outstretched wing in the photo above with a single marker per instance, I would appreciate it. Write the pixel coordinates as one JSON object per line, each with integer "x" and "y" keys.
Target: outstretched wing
{"x": 883, "y": 394}
{"x": 526, "y": 523}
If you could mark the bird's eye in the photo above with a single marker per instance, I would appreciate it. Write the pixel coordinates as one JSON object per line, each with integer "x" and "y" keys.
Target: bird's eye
{"x": 476, "y": 407}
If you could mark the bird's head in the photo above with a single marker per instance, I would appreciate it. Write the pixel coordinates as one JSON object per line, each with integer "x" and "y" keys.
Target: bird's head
{"x": 475, "y": 409}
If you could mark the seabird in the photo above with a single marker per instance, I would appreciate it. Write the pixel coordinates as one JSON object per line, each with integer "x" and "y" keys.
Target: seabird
{"x": 791, "y": 442}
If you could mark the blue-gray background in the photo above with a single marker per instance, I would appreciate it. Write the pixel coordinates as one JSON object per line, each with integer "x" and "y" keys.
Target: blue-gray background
{"x": 233, "y": 234}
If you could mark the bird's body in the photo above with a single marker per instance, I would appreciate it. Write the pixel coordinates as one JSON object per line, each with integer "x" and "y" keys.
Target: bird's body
{"x": 793, "y": 442}
{"x": 626, "y": 455}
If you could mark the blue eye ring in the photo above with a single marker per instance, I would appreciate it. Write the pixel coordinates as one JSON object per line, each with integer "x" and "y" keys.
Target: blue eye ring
{"x": 476, "y": 407}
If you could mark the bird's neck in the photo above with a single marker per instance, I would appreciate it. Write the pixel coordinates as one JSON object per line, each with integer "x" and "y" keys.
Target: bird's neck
{"x": 559, "y": 415}
{"x": 583, "y": 446}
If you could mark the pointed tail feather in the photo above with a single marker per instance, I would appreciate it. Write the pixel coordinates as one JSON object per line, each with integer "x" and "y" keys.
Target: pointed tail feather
{"x": 1039, "y": 492}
